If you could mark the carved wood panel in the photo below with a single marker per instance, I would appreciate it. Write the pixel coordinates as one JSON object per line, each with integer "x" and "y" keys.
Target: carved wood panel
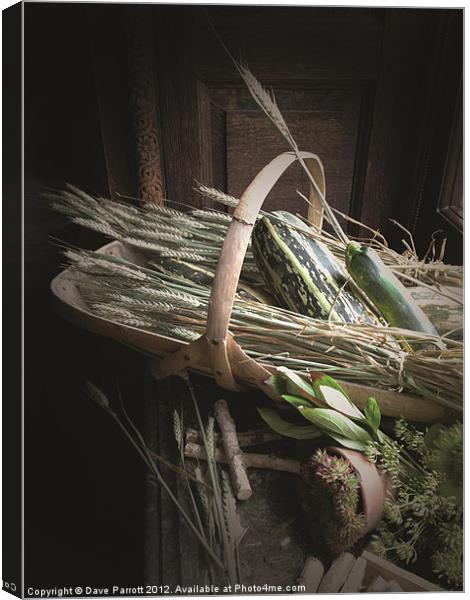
{"x": 144, "y": 108}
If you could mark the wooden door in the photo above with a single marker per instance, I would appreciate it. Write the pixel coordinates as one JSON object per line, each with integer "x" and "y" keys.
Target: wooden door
{"x": 356, "y": 86}
{"x": 366, "y": 89}
{"x": 321, "y": 87}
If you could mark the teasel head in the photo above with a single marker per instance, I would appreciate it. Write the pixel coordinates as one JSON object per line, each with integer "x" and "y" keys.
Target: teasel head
{"x": 331, "y": 497}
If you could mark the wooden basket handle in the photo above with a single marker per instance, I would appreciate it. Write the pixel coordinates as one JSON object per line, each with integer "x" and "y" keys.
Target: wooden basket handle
{"x": 218, "y": 344}
{"x": 239, "y": 232}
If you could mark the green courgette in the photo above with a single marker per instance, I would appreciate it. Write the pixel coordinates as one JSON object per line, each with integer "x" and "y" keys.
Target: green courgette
{"x": 386, "y": 292}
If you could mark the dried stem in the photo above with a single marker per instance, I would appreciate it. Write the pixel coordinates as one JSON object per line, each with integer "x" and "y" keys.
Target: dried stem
{"x": 114, "y": 288}
{"x": 252, "y": 460}
{"x": 245, "y": 438}
{"x": 238, "y": 474}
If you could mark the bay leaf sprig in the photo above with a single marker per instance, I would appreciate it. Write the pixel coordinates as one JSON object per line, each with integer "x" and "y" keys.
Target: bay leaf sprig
{"x": 324, "y": 403}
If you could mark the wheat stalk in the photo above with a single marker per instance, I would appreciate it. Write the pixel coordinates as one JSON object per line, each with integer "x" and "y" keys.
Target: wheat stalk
{"x": 268, "y": 104}
{"x": 213, "y": 216}
{"x": 356, "y": 352}
{"x": 149, "y": 458}
{"x": 177, "y": 428}
{"x": 142, "y": 228}
{"x": 217, "y": 195}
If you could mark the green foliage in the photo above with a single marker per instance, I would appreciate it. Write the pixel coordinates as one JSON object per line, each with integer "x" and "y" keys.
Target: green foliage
{"x": 425, "y": 517}
{"x": 448, "y": 562}
{"x": 279, "y": 425}
{"x": 336, "y": 424}
{"x": 295, "y": 401}
{"x": 295, "y": 385}
{"x": 328, "y": 381}
{"x": 431, "y": 434}
{"x": 325, "y": 404}
{"x": 278, "y": 383}
{"x": 446, "y": 457}
{"x": 372, "y": 413}
{"x": 337, "y": 400}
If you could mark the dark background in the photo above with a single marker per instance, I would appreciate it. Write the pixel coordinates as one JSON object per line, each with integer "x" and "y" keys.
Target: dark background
{"x": 375, "y": 92}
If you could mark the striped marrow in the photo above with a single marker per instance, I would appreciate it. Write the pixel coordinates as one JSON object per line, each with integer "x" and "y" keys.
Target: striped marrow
{"x": 302, "y": 274}
{"x": 291, "y": 219}
{"x": 203, "y": 276}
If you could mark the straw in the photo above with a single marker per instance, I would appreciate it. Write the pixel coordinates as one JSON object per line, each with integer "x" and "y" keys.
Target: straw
{"x": 369, "y": 354}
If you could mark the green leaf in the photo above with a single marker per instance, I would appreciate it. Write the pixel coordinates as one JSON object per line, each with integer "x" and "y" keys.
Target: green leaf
{"x": 295, "y": 401}
{"x": 347, "y": 443}
{"x": 334, "y": 398}
{"x": 278, "y": 383}
{"x": 296, "y": 385}
{"x": 372, "y": 413}
{"x": 333, "y": 422}
{"x": 277, "y": 424}
{"x": 330, "y": 382}
{"x": 381, "y": 437}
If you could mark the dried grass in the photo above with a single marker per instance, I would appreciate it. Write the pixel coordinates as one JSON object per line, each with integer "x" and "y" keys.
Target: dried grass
{"x": 197, "y": 237}
{"x": 127, "y": 293}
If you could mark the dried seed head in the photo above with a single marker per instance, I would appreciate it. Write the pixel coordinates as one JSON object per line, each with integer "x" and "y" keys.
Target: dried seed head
{"x": 217, "y": 195}
{"x": 97, "y": 395}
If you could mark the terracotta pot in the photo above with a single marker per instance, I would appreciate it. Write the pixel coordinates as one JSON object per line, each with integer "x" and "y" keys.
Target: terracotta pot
{"x": 375, "y": 487}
